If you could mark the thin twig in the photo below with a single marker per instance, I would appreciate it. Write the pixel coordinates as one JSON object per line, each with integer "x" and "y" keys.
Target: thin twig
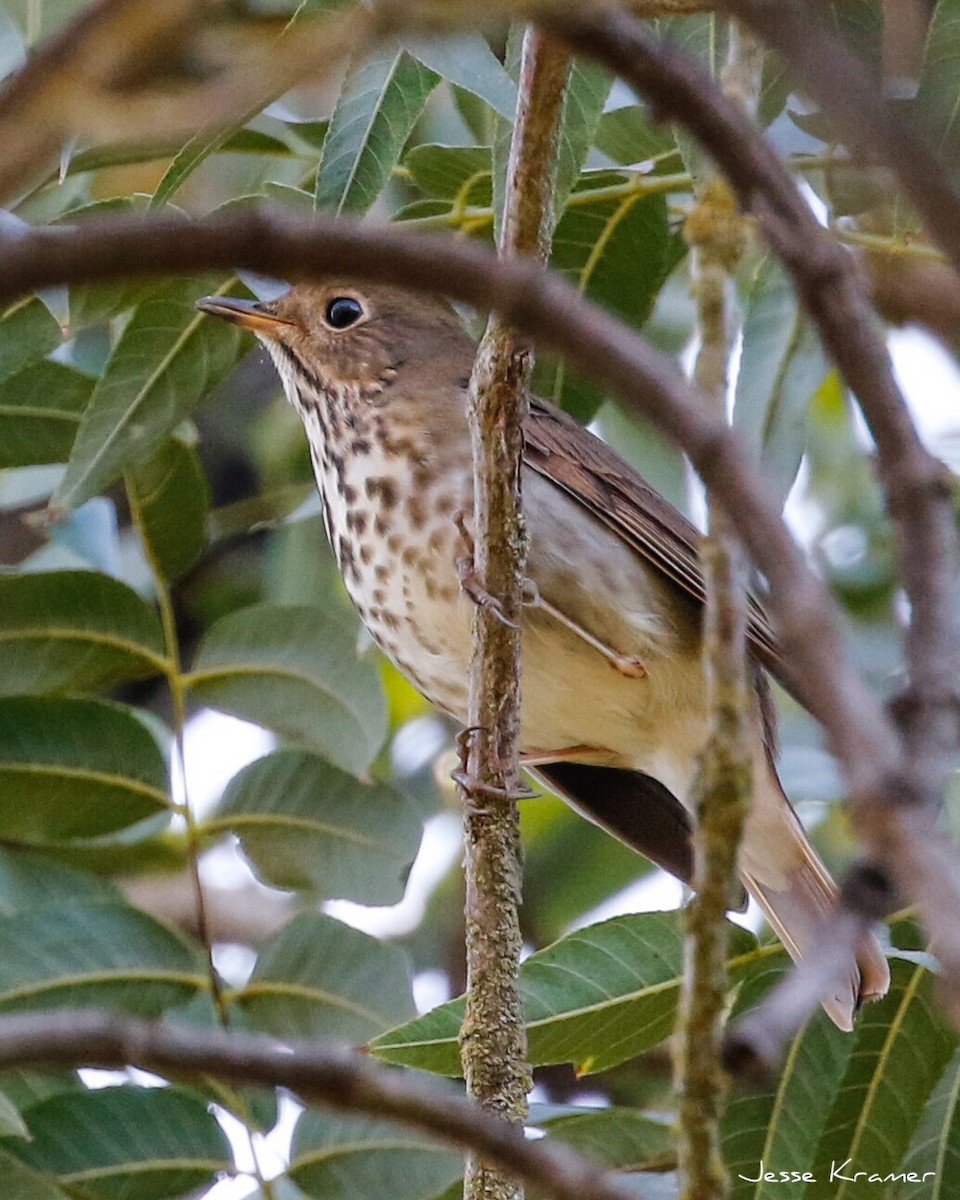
{"x": 493, "y": 1042}
{"x": 336, "y": 1078}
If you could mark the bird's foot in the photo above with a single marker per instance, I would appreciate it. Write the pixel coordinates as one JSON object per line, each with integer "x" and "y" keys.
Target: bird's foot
{"x": 470, "y": 581}
{"x": 471, "y": 783}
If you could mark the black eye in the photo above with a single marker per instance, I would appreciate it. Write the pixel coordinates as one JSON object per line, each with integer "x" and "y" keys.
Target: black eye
{"x": 343, "y": 311}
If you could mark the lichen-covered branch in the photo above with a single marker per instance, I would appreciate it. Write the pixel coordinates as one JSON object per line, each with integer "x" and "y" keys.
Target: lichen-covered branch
{"x": 718, "y": 233}
{"x": 493, "y": 1042}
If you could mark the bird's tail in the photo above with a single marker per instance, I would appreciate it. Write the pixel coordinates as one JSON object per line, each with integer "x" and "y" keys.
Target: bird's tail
{"x": 796, "y": 893}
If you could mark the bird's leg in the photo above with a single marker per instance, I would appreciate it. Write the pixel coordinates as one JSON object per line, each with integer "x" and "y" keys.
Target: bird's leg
{"x": 623, "y": 664}
{"x": 588, "y": 755}
{"x": 469, "y": 782}
{"x": 470, "y": 581}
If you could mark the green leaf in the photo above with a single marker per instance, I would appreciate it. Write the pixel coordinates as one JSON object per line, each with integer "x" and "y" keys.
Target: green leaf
{"x": 28, "y": 333}
{"x": 92, "y": 304}
{"x": 349, "y": 1158}
{"x": 172, "y": 500}
{"x": 623, "y": 1139}
{"x": 167, "y": 359}
{"x": 902, "y": 1049}
{"x": 583, "y": 102}
{"x": 627, "y": 136}
{"x": 73, "y": 631}
{"x": 30, "y": 881}
{"x": 459, "y": 173}
{"x": 378, "y": 106}
{"x": 934, "y": 1154}
{"x": 618, "y": 252}
{"x": 595, "y": 998}
{"x": 75, "y": 768}
{"x": 937, "y": 95}
{"x": 12, "y": 50}
{"x": 295, "y": 670}
{"x": 11, "y": 1122}
{"x": 781, "y": 1126}
{"x": 465, "y": 59}
{"x": 40, "y": 410}
{"x": 319, "y": 978}
{"x": 21, "y": 1182}
{"x": 94, "y": 954}
{"x": 304, "y": 824}
{"x": 118, "y": 1142}
{"x": 781, "y": 367}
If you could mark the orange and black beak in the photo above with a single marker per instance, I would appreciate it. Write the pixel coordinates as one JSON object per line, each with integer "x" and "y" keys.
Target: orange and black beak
{"x": 247, "y": 313}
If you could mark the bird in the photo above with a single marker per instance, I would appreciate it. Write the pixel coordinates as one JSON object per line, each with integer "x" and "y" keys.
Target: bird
{"x": 614, "y": 712}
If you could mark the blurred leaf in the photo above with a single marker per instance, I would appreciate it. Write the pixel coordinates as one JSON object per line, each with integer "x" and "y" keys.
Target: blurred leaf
{"x": 937, "y": 96}
{"x": 554, "y": 837}
{"x": 167, "y": 359}
{"x": 90, "y": 304}
{"x": 934, "y": 1152}
{"x": 465, "y": 59}
{"x": 11, "y": 1122}
{"x": 295, "y": 670}
{"x": 21, "y": 1182}
{"x": 378, "y": 106}
{"x": 781, "y": 367}
{"x": 304, "y": 824}
{"x": 73, "y": 631}
{"x": 595, "y": 998}
{"x": 94, "y": 954}
{"x": 172, "y": 499}
{"x": 618, "y": 252}
{"x": 75, "y": 768}
{"x": 319, "y": 978}
{"x": 40, "y": 410}
{"x": 30, "y": 881}
{"x": 445, "y": 172}
{"x": 583, "y": 103}
{"x": 346, "y": 1158}
{"x": 623, "y": 1139}
{"x": 119, "y": 1142}
{"x": 628, "y": 136}
{"x": 28, "y": 333}
{"x": 902, "y": 1049}
{"x": 13, "y": 52}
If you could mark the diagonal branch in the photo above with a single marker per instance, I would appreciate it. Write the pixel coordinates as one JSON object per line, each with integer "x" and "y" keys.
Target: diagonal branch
{"x": 336, "y": 1078}
{"x": 548, "y": 310}
{"x": 919, "y": 500}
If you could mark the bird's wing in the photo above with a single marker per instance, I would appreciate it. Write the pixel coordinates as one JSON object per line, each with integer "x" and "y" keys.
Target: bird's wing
{"x": 585, "y": 467}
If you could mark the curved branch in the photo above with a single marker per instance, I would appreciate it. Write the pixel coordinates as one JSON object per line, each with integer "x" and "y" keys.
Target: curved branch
{"x": 336, "y": 1078}
{"x": 551, "y": 312}
{"x": 828, "y": 282}
{"x": 548, "y": 310}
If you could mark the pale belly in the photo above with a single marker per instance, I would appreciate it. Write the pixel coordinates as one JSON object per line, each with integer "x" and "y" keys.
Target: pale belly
{"x": 409, "y": 595}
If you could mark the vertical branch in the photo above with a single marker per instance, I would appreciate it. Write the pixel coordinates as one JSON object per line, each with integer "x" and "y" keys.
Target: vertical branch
{"x": 493, "y": 1038}
{"x": 718, "y": 233}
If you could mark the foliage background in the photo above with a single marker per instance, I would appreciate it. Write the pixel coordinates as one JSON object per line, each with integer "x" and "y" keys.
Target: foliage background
{"x": 186, "y": 569}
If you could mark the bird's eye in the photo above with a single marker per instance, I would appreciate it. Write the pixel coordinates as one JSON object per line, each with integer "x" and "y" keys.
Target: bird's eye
{"x": 343, "y": 311}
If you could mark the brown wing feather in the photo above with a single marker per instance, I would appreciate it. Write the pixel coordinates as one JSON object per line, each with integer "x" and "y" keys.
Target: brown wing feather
{"x": 561, "y": 450}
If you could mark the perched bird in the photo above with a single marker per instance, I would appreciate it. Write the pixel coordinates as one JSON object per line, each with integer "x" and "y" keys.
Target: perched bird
{"x": 614, "y": 711}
